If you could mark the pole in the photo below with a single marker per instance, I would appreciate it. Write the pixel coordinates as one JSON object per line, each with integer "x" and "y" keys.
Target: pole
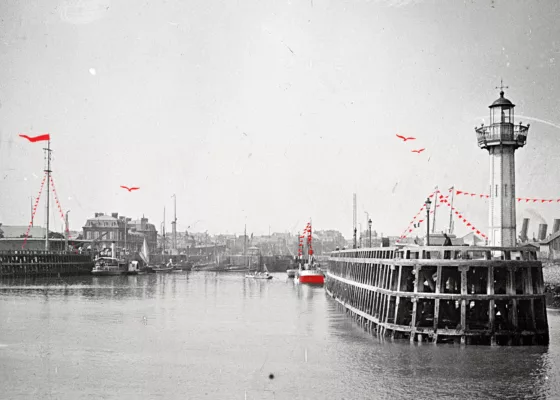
{"x": 435, "y": 207}
{"x": 48, "y": 171}
{"x": 31, "y": 198}
{"x": 428, "y": 226}
{"x": 125, "y": 232}
{"x": 174, "y": 222}
{"x": 451, "y": 212}
{"x": 67, "y": 232}
{"x": 163, "y": 230}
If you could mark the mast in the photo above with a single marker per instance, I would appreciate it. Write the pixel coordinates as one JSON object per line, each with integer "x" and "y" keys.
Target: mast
{"x": 435, "y": 207}
{"x": 451, "y": 211}
{"x": 174, "y": 223}
{"x": 31, "y": 198}
{"x": 48, "y": 171}
{"x": 354, "y": 223}
{"x": 245, "y": 245}
{"x": 163, "y": 230}
{"x": 309, "y": 245}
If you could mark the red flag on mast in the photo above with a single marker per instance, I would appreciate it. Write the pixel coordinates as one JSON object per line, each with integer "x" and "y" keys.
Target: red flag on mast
{"x": 39, "y": 138}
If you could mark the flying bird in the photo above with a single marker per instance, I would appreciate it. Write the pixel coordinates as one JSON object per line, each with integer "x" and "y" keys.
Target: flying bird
{"x": 130, "y": 189}
{"x": 405, "y": 138}
{"x": 418, "y": 151}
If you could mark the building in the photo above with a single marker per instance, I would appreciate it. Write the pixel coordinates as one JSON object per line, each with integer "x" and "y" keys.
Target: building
{"x": 501, "y": 138}
{"x": 103, "y": 230}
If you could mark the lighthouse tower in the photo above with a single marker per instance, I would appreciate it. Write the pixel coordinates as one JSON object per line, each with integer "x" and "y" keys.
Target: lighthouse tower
{"x": 501, "y": 139}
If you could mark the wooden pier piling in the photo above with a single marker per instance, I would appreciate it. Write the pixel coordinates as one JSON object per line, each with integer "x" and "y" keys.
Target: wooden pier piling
{"x": 43, "y": 263}
{"x": 463, "y": 295}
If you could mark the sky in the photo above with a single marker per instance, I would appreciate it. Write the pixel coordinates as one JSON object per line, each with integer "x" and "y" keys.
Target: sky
{"x": 271, "y": 113}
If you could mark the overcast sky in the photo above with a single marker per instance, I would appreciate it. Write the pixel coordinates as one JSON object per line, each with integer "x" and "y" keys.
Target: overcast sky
{"x": 272, "y": 112}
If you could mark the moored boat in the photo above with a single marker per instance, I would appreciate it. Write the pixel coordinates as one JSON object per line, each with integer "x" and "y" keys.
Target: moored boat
{"x": 309, "y": 272}
{"x": 162, "y": 268}
{"x": 105, "y": 266}
{"x": 291, "y": 272}
{"x": 312, "y": 276}
{"x": 260, "y": 273}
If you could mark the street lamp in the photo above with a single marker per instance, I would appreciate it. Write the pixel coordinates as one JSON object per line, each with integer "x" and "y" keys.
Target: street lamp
{"x": 428, "y": 204}
{"x": 369, "y": 223}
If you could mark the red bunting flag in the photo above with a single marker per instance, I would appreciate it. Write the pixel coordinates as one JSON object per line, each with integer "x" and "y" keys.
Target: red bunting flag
{"x": 458, "y": 192}
{"x": 34, "y": 139}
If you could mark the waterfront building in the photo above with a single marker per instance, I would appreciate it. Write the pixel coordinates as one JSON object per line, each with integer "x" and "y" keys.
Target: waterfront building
{"x": 103, "y": 230}
{"x": 501, "y": 138}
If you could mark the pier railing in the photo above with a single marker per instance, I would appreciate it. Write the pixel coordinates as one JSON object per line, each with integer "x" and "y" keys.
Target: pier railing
{"x": 473, "y": 295}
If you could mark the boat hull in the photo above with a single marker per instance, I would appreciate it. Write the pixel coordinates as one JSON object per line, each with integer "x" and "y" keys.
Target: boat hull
{"x": 107, "y": 273}
{"x": 265, "y": 277}
{"x": 313, "y": 277}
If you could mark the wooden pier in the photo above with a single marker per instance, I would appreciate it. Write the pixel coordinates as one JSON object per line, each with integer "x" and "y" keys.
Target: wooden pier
{"x": 44, "y": 263}
{"x": 467, "y": 295}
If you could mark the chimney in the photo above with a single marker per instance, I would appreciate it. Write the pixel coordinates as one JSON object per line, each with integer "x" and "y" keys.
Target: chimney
{"x": 542, "y": 231}
{"x": 113, "y": 253}
{"x": 556, "y": 226}
{"x": 115, "y": 215}
{"x": 523, "y": 236}
{"x": 96, "y": 215}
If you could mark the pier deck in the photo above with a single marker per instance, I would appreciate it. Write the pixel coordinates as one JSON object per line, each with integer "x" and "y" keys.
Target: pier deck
{"x": 468, "y": 295}
{"x": 43, "y": 263}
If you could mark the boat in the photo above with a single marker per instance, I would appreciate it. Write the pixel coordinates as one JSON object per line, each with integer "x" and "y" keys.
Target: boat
{"x": 292, "y": 269}
{"x": 133, "y": 268}
{"x": 108, "y": 266}
{"x": 264, "y": 274}
{"x": 309, "y": 272}
{"x": 163, "y": 268}
{"x": 145, "y": 256}
{"x": 259, "y": 273}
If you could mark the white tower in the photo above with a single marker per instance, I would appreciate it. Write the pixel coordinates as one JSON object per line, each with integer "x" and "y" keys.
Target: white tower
{"x": 501, "y": 139}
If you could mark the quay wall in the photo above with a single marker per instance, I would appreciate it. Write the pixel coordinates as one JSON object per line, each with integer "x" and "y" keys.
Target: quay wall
{"x": 43, "y": 263}
{"x": 467, "y": 295}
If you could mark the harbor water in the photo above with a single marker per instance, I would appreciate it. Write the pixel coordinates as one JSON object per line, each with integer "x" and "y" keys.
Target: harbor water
{"x": 207, "y": 335}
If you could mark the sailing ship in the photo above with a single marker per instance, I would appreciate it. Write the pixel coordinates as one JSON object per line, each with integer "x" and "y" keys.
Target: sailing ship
{"x": 310, "y": 272}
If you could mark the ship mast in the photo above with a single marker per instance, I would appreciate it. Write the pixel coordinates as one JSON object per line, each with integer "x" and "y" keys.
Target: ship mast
{"x": 435, "y": 207}
{"x": 163, "y": 231}
{"x": 354, "y": 222}
{"x": 174, "y": 223}
{"x": 451, "y": 211}
{"x": 48, "y": 171}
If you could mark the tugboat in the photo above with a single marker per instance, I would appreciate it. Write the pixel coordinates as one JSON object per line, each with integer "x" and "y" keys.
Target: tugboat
{"x": 310, "y": 272}
{"x": 109, "y": 265}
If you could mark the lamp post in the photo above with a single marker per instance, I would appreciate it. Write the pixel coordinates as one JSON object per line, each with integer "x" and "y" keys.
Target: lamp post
{"x": 428, "y": 204}
{"x": 369, "y": 223}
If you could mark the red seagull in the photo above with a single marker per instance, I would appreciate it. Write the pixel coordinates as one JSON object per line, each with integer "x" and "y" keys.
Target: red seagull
{"x": 130, "y": 189}
{"x": 418, "y": 151}
{"x": 405, "y": 138}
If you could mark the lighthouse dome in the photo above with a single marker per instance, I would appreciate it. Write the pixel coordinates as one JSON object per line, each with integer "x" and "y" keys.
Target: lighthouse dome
{"x": 502, "y": 101}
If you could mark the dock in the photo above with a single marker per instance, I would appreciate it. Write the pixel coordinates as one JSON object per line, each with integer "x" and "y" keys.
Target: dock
{"x": 15, "y": 263}
{"x": 453, "y": 294}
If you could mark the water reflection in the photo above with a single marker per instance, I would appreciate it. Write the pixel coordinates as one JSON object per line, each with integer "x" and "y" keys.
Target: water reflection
{"x": 162, "y": 332}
